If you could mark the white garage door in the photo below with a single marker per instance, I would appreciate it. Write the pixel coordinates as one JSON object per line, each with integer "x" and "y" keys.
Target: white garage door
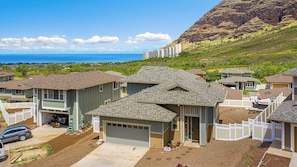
{"x": 127, "y": 134}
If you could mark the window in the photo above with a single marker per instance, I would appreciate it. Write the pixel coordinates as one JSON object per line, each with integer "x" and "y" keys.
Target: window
{"x": 100, "y": 88}
{"x": 115, "y": 85}
{"x": 53, "y": 94}
{"x": 249, "y": 84}
{"x": 18, "y": 92}
{"x": 175, "y": 124}
{"x": 2, "y": 90}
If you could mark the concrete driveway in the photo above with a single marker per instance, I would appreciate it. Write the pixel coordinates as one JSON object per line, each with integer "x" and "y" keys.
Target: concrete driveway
{"x": 112, "y": 155}
{"x": 41, "y": 135}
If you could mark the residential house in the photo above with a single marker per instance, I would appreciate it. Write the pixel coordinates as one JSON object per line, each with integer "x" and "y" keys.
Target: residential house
{"x": 19, "y": 90}
{"x": 238, "y": 79}
{"x": 198, "y": 72}
{"x": 5, "y": 76}
{"x": 286, "y": 114}
{"x": 123, "y": 85}
{"x": 278, "y": 81}
{"x": 67, "y": 97}
{"x": 165, "y": 104}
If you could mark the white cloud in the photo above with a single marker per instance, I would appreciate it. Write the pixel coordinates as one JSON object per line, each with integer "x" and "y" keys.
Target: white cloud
{"x": 131, "y": 41}
{"x": 147, "y": 36}
{"x": 96, "y": 39}
{"x": 11, "y": 41}
{"x": 51, "y": 40}
{"x": 26, "y": 40}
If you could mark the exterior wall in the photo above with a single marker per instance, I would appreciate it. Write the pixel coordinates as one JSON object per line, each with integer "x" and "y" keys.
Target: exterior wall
{"x": 167, "y": 138}
{"x": 6, "y": 78}
{"x": 137, "y": 87}
{"x": 279, "y": 85}
{"x": 156, "y": 140}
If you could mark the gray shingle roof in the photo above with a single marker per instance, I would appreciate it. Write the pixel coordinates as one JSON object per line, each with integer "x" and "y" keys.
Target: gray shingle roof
{"x": 130, "y": 109}
{"x": 194, "y": 93}
{"x": 76, "y": 81}
{"x": 292, "y": 72}
{"x": 5, "y": 74}
{"x": 157, "y": 75}
{"x": 24, "y": 84}
{"x": 235, "y": 79}
{"x": 236, "y": 71}
{"x": 286, "y": 112}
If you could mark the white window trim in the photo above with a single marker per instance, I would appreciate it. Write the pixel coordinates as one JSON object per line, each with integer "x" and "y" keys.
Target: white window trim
{"x": 115, "y": 84}
{"x": 60, "y": 92}
{"x": 100, "y": 88}
{"x": 178, "y": 121}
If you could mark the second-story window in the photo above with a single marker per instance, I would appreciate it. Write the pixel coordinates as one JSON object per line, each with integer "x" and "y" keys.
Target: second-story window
{"x": 115, "y": 85}
{"x": 100, "y": 88}
{"x": 53, "y": 94}
{"x": 18, "y": 92}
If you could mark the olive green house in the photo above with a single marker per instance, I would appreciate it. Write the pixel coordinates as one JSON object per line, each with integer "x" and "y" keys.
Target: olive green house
{"x": 164, "y": 104}
{"x": 67, "y": 97}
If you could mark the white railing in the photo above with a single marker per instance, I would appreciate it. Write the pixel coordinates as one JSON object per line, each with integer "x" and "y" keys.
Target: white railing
{"x": 257, "y": 128}
{"x": 17, "y": 116}
{"x": 237, "y": 103}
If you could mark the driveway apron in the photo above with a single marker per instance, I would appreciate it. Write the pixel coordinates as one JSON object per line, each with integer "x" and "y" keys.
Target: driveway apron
{"x": 113, "y": 155}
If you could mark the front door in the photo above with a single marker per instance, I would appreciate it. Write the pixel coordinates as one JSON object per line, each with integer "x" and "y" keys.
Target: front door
{"x": 192, "y": 129}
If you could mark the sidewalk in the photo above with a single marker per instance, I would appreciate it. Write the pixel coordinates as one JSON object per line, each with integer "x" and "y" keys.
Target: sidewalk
{"x": 293, "y": 162}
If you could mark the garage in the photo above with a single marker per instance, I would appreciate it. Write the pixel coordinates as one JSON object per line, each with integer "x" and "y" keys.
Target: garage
{"x": 136, "y": 135}
{"x": 52, "y": 118}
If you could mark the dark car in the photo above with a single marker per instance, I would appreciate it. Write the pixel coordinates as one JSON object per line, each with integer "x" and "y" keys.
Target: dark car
{"x": 15, "y": 133}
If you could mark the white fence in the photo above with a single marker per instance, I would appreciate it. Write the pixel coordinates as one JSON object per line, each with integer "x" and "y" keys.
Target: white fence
{"x": 233, "y": 132}
{"x": 237, "y": 103}
{"x": 17, "y": 116}
{"x": 257, "y": 128}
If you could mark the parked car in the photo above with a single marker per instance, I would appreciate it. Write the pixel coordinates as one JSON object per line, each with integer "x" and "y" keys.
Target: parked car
{"x": 15, "y": 133}
{"x": 2, "y": 150}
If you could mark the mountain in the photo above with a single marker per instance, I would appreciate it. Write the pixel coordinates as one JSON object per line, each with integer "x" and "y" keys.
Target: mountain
{"x": 232, "y": 19}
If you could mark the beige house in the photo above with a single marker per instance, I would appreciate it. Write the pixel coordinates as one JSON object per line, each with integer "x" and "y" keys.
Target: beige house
{"x": 278, "y": 81}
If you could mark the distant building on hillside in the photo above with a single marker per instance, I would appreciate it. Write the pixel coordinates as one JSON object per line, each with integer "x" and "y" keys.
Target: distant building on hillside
{"x": 161, "y": 53}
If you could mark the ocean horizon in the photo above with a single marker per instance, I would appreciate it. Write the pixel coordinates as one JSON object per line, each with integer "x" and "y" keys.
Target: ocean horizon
{"x": 66, "y": 58}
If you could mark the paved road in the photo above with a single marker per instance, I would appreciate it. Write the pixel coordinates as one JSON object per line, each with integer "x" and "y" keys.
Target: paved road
{"x": 112, "y": 155}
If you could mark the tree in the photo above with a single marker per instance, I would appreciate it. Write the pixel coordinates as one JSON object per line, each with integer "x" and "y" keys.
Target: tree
{"x": 212, "y": 76}
{"x": 23, "y": 69}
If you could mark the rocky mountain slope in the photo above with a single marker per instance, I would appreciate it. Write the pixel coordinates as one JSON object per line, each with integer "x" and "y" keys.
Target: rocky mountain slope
{"x": 235, "y": 18}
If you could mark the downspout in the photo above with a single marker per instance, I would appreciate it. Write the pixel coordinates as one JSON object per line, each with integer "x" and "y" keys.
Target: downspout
{"x": 77, "y": 120}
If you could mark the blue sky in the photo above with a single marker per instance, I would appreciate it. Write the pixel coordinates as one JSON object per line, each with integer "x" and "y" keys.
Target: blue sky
{"x": 95, "y": 26}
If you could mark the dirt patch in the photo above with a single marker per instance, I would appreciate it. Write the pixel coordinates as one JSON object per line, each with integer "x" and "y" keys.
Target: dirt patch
{"x": 13, "y": 110}
{"x": 67, "y": 150}
{"x": 216, "y": 153}
{"x": 254, "y": 154}
{"x": 275, "y": 161}
{"x": 28, "y": 154}
{"x": 236, "y": 115}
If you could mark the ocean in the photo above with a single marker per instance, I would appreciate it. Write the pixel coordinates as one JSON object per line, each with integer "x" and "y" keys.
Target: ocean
{"x": 66, "y": 58}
